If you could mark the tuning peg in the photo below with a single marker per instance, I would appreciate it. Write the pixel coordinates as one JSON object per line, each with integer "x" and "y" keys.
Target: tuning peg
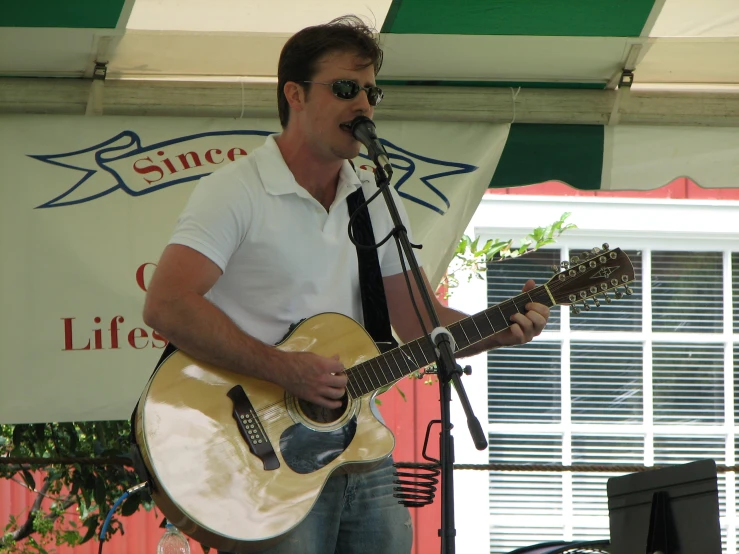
{"x": 618, "y": 294}
{"x": 596, "y": 301}
{"x": 586, "y": 255}
{"x": 628, "y": 290}
{"x": 574, "y": 310}
{"x": 607, "y": 298}
{"x": 585, "y": 305}
{"x": 574, "y": 260}
{"x": 605, "y": 246}
{"x": 565, "y": 265}
{"x": 555, "y": 268}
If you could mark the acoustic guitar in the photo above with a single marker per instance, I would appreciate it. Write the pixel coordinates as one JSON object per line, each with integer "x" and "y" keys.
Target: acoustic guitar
{"x": 237, "y": 462}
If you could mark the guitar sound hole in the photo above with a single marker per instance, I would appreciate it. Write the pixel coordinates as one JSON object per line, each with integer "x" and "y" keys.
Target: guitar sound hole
{"x": 319, "y": 414}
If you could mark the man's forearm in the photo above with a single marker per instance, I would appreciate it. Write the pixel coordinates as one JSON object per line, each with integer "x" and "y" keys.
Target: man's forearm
{"x": 203, "y": 331}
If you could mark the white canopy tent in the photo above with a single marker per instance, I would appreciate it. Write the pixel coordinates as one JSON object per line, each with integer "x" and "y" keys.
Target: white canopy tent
{"x": 626, "y": 95}
{"x": 684, "y": 56}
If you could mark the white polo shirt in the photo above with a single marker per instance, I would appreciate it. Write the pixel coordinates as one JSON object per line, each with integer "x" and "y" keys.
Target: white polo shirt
{"x": 283, "y": 257}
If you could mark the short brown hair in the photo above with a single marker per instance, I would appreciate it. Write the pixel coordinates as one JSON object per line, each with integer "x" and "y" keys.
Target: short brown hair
{"x": 301, "y": 53}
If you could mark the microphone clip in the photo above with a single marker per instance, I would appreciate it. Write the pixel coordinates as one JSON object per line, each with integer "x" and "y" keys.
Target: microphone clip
{"x": 363, "y": 129}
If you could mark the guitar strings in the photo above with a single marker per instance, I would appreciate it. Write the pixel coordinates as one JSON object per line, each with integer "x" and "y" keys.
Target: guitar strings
{"x": 268, "y": 411}
{"x": 271, "y": 414}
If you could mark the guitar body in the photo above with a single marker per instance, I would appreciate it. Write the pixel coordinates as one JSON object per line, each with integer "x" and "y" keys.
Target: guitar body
{"x": 205, "y": 475}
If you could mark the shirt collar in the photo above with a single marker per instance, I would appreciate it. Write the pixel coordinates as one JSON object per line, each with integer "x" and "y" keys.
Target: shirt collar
{"x": 277, "y": 178}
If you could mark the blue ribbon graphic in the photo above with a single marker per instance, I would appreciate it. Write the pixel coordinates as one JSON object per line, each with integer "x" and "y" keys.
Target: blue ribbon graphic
{"x": 127, "y": 144}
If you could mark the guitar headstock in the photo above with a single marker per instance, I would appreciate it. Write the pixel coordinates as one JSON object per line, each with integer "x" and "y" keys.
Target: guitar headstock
{"x": 591, "y": 275}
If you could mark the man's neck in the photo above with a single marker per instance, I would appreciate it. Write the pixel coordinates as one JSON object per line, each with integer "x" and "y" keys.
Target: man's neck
{"x": 319, "y": 177}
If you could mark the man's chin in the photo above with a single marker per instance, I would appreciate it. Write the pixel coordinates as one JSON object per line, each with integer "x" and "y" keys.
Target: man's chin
{"x": 348, "y": 153}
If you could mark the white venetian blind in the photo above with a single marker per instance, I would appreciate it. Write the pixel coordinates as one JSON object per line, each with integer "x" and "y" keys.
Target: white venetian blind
{"x": 579, "y": 394}
{"x": 687, "y": 292}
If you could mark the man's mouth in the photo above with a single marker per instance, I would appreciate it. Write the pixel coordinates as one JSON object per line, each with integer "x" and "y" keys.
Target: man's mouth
{"x": 347, "y": 128}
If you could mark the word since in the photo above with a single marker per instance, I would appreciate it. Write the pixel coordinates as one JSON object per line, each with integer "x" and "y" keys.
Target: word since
{"x": 182, "y": 162}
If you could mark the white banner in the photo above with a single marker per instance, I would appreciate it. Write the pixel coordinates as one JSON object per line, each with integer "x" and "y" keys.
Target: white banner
{"x": 88, "y": 204}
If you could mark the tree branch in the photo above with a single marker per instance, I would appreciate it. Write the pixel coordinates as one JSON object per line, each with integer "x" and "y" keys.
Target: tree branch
{"x": 15, "y": 469}
{"x": 27, "y": 528}
{"x": 24, "y": 485}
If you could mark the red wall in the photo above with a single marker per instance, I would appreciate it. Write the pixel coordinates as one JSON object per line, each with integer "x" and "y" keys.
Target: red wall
{"x": 679, "y": 189}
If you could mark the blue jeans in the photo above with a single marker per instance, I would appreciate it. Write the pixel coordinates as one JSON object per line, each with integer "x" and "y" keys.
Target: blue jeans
{"x": 355, "y": 514}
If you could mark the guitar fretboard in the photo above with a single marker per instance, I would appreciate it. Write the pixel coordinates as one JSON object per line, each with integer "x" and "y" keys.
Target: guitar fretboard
{"x": 395, "y": 364}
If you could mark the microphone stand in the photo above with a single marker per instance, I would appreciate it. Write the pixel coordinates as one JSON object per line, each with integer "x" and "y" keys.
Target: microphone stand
{"x": 448, "y": 370}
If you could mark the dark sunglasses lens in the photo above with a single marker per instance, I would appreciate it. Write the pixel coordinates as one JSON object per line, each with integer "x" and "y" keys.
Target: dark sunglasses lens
{"x": 374, "y": 95}
{"x": 346, "y": 90}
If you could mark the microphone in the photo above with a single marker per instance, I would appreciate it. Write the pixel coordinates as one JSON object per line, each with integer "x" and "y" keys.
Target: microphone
{"x": 363, "y": 129}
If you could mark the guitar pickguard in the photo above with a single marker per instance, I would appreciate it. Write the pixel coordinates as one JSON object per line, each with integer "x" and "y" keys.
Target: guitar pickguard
{"x": 305, "y": 450}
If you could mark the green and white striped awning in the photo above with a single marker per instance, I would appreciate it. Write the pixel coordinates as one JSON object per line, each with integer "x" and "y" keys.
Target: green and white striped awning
{"x": 549, "y": 43}
{"x": 524, "y": 52}
{"x": 621, "y": 157}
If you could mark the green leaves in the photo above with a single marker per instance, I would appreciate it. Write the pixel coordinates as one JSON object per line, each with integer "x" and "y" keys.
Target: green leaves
{"x": 71, "y": 432}
{"x": 40, "y": 430}
{"x": 92, "y": 525}
{"x": 471, "y": 259}
{"x": 29, "y": 480}
{"x": 100, "y": 494}
{"x": 130, "y": 506}
{"x": 18, "y": 432}
{"x": 41, "y": 524}
{"x": 88, "y": 490}
{"x": 70, "y": 537}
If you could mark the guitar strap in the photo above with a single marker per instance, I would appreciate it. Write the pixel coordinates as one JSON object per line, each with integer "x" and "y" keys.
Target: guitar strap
{"x": 374, "y": 302}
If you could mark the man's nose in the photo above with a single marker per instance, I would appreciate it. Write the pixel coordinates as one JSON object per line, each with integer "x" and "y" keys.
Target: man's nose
{"x": 363, "y": 101}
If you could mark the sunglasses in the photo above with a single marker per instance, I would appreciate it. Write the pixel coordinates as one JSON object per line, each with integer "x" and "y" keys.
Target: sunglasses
{"x": 347, "y": 90}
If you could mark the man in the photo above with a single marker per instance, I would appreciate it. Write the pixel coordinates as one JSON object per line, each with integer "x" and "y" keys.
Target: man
{"x": 263, "y": 243}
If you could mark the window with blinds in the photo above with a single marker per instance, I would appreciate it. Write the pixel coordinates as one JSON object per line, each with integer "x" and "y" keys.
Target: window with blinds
{"x": 647, "y": 379}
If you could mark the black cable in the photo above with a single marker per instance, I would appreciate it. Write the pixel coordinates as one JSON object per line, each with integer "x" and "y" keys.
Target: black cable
{"x": 354, "y": 215}
{"x": 393, "y": 233}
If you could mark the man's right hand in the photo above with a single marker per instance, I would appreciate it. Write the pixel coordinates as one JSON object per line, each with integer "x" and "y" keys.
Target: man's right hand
{"x": 314, "y": 378}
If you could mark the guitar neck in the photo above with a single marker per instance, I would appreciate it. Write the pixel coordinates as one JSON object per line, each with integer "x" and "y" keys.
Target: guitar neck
{"x": 397, "y": 363}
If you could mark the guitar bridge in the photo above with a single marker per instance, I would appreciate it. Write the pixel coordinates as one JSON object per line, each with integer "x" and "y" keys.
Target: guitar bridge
{"x": 251, "y": 428}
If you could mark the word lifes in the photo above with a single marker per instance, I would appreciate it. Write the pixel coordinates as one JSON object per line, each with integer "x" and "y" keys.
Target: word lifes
{"x": 136, "y": 337}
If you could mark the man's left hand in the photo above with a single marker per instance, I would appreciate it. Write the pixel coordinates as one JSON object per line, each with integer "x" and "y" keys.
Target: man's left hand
{"x": 525, "y": 326}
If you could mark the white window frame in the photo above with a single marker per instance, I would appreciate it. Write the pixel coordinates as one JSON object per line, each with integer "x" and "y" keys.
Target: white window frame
{"x": 707, "y": 225}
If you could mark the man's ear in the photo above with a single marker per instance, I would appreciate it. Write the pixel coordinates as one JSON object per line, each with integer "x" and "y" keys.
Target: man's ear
{"x": 295, "y": 95}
